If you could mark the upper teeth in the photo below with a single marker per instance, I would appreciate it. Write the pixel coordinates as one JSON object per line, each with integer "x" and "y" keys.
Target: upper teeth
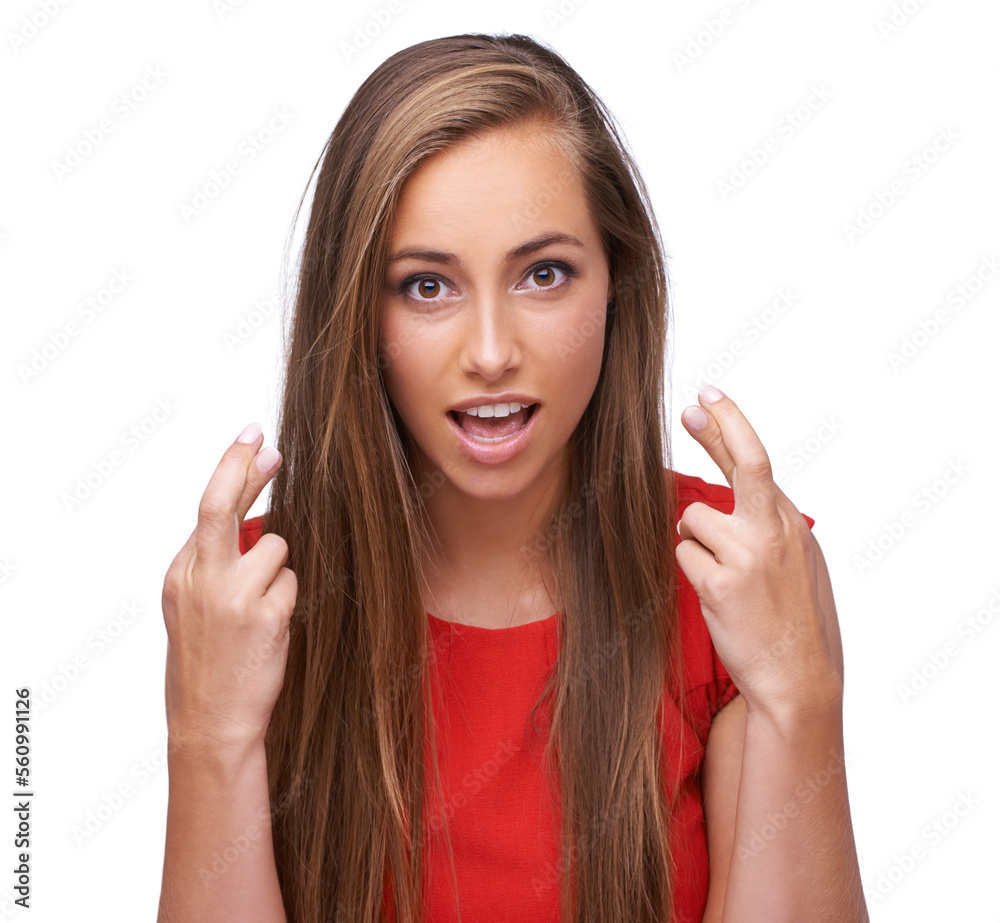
{"x": 493, "y": 410}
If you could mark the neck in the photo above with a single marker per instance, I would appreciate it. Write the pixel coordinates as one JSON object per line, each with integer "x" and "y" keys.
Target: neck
{"x": 489, "y": 566}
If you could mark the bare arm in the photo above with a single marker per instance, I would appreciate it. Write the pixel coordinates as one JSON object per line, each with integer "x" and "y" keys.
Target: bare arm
{"x": 765, "y": 593}
{"x": 219, "y": 862}
{"x": 227, "y": 617}
{"x": 720, "y": 786}
{"x": 781, "y": 844}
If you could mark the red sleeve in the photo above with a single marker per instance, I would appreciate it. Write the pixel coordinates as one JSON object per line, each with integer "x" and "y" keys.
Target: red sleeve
{"x": 707, "y": 685}
{"x": 250, "y": 530}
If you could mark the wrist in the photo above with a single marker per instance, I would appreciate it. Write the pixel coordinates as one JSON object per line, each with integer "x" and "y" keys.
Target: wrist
{"x": 818, "y": 701}
{"x": 211, "y": 743}
{"x": 199, "y": 769}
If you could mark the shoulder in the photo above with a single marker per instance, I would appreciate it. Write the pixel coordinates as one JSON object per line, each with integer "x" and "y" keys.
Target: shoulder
{"x": 689, "y": 488}
{"x": 692, "y": 489}
{"x": 250, "y": 530}
{"x": 705, "y": 683}
{"x": 707, "y": 686}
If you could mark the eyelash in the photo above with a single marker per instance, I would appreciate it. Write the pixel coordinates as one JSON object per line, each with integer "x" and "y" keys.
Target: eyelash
{"x": 568, "y": 269}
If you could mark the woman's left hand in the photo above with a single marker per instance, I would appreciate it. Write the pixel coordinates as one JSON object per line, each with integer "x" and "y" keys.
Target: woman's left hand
{"x": 755, "y": 572}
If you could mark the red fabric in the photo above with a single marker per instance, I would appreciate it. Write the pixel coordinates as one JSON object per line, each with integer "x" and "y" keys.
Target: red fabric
{"x": 503, "y": 835}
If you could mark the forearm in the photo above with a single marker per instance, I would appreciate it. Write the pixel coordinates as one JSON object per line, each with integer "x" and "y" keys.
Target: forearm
{"x": 794, "y": 856}
{"x": 219, "y": 860}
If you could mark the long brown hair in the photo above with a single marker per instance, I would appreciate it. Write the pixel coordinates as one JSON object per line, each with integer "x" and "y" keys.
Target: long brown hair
{"x": 349, "y": 725}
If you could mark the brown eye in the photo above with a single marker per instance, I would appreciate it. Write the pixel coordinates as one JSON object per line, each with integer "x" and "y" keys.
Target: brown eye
{"x": 544, "y": 276}
{"x": 428, "y": 287}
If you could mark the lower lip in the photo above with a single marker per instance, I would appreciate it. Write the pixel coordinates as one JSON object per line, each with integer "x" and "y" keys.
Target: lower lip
{"x": 494, "y": 453}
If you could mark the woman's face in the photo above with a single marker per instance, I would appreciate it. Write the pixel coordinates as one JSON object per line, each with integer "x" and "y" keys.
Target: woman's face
{"x": 481, "y": 308}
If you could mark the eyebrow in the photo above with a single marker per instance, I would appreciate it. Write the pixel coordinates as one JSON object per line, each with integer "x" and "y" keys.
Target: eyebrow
{"x": 515, "y": 253}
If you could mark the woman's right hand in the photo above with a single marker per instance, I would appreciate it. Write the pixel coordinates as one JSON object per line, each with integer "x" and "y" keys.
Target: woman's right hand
{"x": 227, "y": 614}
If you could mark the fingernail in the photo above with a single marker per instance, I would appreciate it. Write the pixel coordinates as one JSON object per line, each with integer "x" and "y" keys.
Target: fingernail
{"x": 250, "y": 434}
{"x": 710, "y": 394}
{"x": 266, "y": 459}
{"x": 696, "y": 417}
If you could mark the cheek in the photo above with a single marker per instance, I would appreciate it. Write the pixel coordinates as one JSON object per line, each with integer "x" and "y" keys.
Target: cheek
{"x": 403, "y": 362}
{"x": 388, "y": 358}
{"x": 395, "y": 342}
{"x": 388, "y": 338}
{"x": 577, "y": 344}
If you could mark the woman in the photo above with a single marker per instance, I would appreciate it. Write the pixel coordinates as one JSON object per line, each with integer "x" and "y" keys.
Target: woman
{"x": 459, "y": 664}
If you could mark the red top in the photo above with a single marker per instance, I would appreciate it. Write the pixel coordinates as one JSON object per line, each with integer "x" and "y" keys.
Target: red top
{"x": 504, "y": 838}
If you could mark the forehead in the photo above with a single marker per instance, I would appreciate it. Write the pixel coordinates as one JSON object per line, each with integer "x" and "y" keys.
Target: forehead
{"x": 508, "y": 182}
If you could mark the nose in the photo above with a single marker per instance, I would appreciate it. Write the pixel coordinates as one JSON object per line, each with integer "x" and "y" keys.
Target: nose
{"x": 490, "y": 339}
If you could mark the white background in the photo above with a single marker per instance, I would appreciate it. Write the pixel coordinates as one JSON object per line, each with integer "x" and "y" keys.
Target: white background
{"x": 696, "y": 87}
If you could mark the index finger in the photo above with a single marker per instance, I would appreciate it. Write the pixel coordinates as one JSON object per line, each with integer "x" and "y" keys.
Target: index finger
{"x": 220, "y": 513}
{"x": 741, "y": 456}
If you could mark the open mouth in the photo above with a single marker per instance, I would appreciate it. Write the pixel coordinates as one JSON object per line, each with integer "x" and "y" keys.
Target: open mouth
{"x": 493, "y": 428}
